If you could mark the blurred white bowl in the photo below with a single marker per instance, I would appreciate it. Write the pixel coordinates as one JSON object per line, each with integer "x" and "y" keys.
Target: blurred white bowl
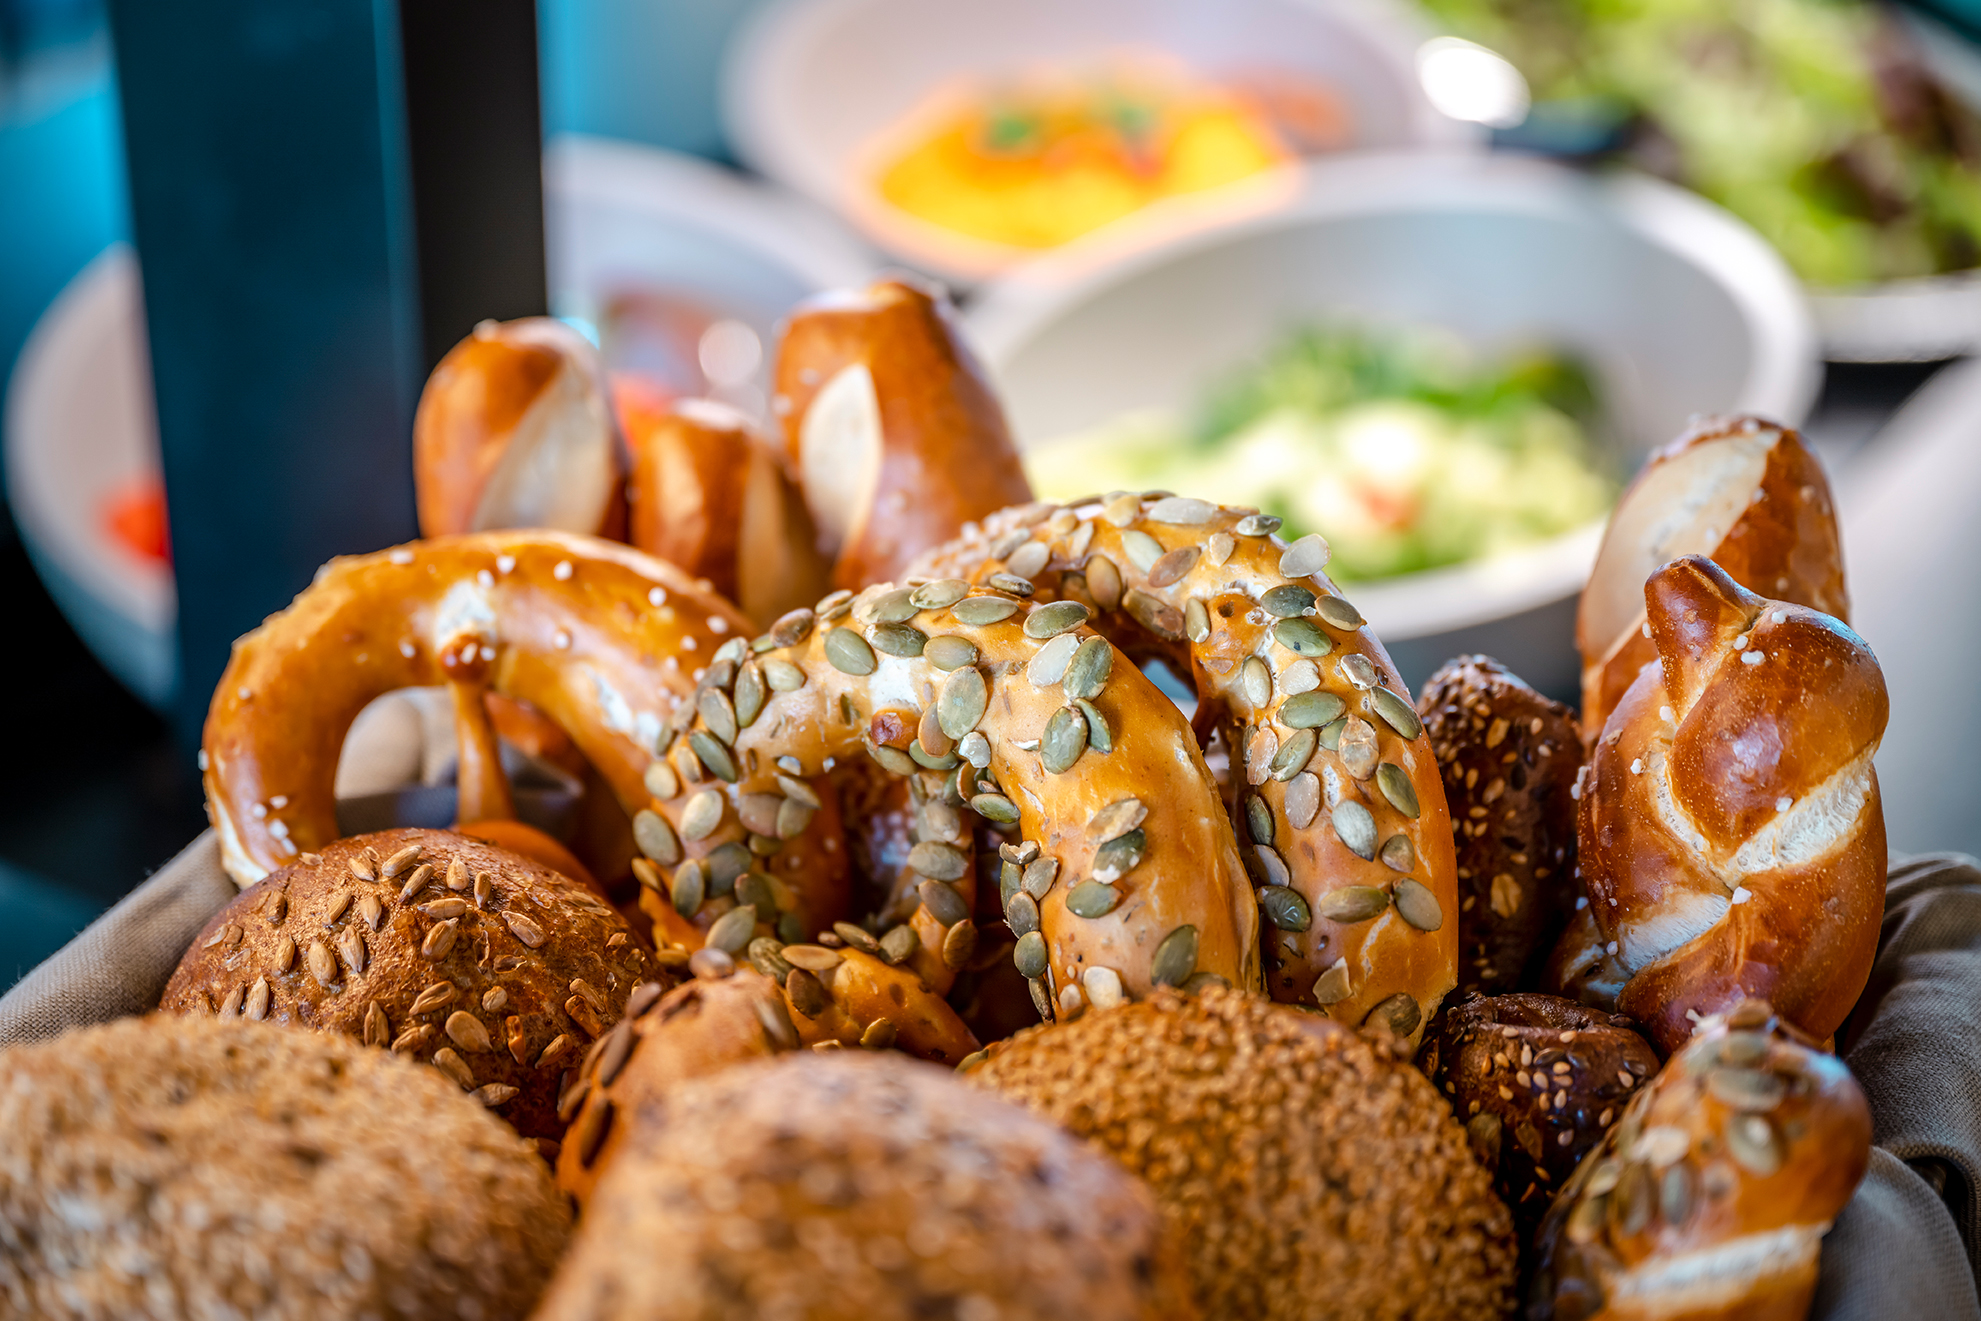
{"x": 1678, "y": 308}
{"x": 813, "y": 87}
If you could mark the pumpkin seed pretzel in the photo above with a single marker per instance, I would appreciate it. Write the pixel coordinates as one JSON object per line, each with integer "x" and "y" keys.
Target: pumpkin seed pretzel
{"x": 1339, "y": 801}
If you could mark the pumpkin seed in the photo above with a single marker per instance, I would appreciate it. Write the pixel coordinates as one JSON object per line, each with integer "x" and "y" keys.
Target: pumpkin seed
{"x": 1142, "y": 549}
{"x": 702, "y": 814}
{"x": 1048, "y": 667}
{"x": 1399, "y": 1014}
{"x": 714, "y": 756}
{"x": 899, "y": 944}
{"x": 960, "y": 942}
{"x": 1100, "y": 734}
{"x": 1303, "y": 637}
{"x": 1257, "y": 525}
{"x": 782, "y": 675}
{"x": 1087, "y": 673}
{"x": 1303, "y": 800}
{"x": 944, "y": 862}
{"x": 1604, "y": 1176}
{"x": 656, "y": 838}
{"x": 1154, "y": 614}
{"x": 1196, "y": 621}
{"x": 974, "y": 748}
{"x": 1331, "y": 734}
{"x": 1117, "y": 819}
{"x": 995, "y": 807}
{"x": 1255, "y": 682}
{"x": 1030, "y": 559}
{"x": 1398, "y": 855}
{"x": 765, "y": 956}
{"x": 891, "y": 607}
{"x": 1064, "y": 739}
{"x": 1354, "y": 903}
{"x": 922, "y": 757}
{"x": 898, "y": 639}
{"x": 660, "y": 779}
{"x": 1635, "y": 1199}
{"x": 1259, "y": 819}
{"x": 1021, "y": 913}
{"x": 689, "y": 888}
{"x": 1104, "y": 582}
{"x": 1182, "y": 510}
{"x": 978, "y": 611}
{"x": 961, "y": 703}
{"x": 805, "y": 992}
{"x": 1338, "y": 612}
{"x": 753, "y": 889}
{"x": 1272, "y": 865}
{"x": 731, "y": 932}
{"x": 1293, "y": 755}
{"x": 1030, "y": 955}
{"x": 1012, "y": 583}
{"x": 1396, "y": 712}
{"x": 1743, "y": 1048}
{"x": 1675, "y": 1195}
{"x": 892, "y": 760}
{"x": 858, "y": 937}
{"x": 949, "y": 651}
{"x": 1120, "y": 855}
{"x": 944, "y": 904}
{"x": 793, "y": 818}
{"x": 1002, "y": 548}
{"x": 1287, "y": 601}
{"x": 1356, "y": 828}
{"x": 1747, "y": 1089}
{"x": 940, "y": 594}
{"x": 749, "y": 694}
{"x": 1396, "y": 787}
{"x": 1358, "y": 748}
{"x": 1303, "y": 676}
{"x": 716, "y": 712}
{"x": 1331, "y": 987}
{"x": 1049, "y": 621}
{"x": 792, "y": 627}
{"x": 1171, "y": 568}
{"x": 1092, "y": 899}
{"x": 1311, "y": 710}
{"x": 1175, "y": 958}
{"x": 1305, "y": 557}
{"x": 725, "y": 864}
{"x": 1418, "y": 906}
{"x": 849, "y": 652}
{"x": 1359, "y": 670}
{"x": 1038, "y": 876}
{"x": 1285, "y": 908}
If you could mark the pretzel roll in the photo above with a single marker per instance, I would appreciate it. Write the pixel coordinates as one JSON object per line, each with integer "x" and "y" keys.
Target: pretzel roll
{"x": 492, "y": 968}
{"x": 596, "y": 636}
{"x": 1746, "y": 494}
{"x": 898, "y": 438}
{"x": 1711, "y": 1195}
{"x": 714, "y": 495}
{"x": 1582, "y": 967}
{"x": 515, "y": 430}
{"x": 1340, "y": 800}
{"x": 849, "y": 997}
{"x": 1732, "y": 840}
{"x": 668, "y": 1036}
{"x": 1537, "y": 1081}
{"x": 1133, "y": 875}
{"x": 1509, "y": 756}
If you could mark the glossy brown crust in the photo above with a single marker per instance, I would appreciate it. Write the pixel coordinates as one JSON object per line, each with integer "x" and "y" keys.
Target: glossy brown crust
{"x": 1783, "y": 544}
{"x": 493, "y": 968}
{"x": 946, "y": 455}
{"x": 1537, "y": 1081}
{"x": 505, "y": 379}
{"x": 1188, "y": 874}
{"x": 1581, "y": 968}
{"x": 1709, "y": 1198}
{"x": 1509, "y": 756}
{"x": 666, "y": 1038}
{"x": 857, "y": 1187}
{"x": 597, "y": 637}
{"x": 1175, "y": 579}
{"x": 1732, "y": 840}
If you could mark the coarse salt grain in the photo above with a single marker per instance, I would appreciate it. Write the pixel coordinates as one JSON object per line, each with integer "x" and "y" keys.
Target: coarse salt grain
{"x": 657, "y": 597}
{"x": 485, "y": 578}
{"x": 401, "y": 556}
{"x": 1741, "y": 894}
{"x": 505, "y": 563}
{"x": 1751, "y": 657}
{"x": 562, "y": 571}
{"x": 1783, "y": 803}
{"x": 407, "y": 650}
{"x": 717, "y": 624}
{"x": 1637, "y": 766}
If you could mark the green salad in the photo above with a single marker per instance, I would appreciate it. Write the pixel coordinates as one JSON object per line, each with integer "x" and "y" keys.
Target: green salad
{"x": 1813, "y": 120}
{"x": 1401, "y": 447}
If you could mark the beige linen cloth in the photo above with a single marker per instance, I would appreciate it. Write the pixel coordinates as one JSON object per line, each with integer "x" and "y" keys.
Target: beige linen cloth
{"x": 1904, "y": 1247}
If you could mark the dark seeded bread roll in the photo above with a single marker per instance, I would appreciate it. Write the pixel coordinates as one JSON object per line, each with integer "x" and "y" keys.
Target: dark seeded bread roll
{"x": 175, "y": 1167}
{"x": 494, "y": 969}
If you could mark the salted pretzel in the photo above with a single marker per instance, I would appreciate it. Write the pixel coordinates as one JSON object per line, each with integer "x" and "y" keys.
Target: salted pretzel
{"x": 1338, "y": 795}
{"x": 897, "y": 436}
{"x": 1745, "y": 493}
{"x": 1731, "y": 837}
{"x": 596, "y": 636}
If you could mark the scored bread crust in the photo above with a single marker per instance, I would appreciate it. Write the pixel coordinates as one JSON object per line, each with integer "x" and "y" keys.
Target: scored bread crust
{"x": 444, "y": 949}
{"x": 188, "y": 1167}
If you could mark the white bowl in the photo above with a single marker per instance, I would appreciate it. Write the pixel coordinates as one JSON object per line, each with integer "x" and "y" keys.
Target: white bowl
{"x": 1679, "y": 309}
{"x": 813, "y": 88}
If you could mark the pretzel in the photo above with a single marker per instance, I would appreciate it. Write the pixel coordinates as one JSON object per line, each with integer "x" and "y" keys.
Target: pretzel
{"x": 1731, "y": 836}
{"x": 1711, "y": 1195}
{"x": 515, "y": 429}
{"x": 1124, "y": 872}
{"x": 1340, "y": 799}
{"x": 1743, "y": 492}
{"x": 599, "y": 638}
{"x": 897, "y": 438}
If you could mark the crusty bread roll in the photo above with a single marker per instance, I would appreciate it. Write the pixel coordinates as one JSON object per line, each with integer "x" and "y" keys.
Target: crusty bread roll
{"x": 896, "y": 434}
{"x": 494, "y": 969}
{"x": 1745, "y": 493}
{"x": 1731, "y": 836}
{"x": 515, "y": 430}
{"x": 169, "y": 1167}
{"x": 1710, "y": 1197}
{"x": 1311, "y": 1172}
{"x": 854, "y": 1187}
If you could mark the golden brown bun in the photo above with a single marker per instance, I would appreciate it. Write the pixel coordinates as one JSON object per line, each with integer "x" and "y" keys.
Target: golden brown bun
{"x": 1537, "y": 1081}
{"x": 493, "y": 968}
{"x": 1732, "y": 841}
{"x": 1326, "y": 747}
{"x": 897, "y": 437}
{"x": 1746, "y": 494}
{"x": 851, "y": 1187}
{"x": 515, "y": 430}
{"x": 1310, "y": 1172}
{"x": 1509, "y": 757}
{"x": 597, "y": 637}
{"x": 667, "y": 1037}
{"x": 180, "y": 1167}
{"x": 712, "y": 494}
{"x": 1709, "y": 1199}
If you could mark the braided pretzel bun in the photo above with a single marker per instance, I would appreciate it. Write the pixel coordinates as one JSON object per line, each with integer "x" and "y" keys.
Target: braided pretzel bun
{"x": 897, "y": 437}
{"x": 1744, "y": 493}
{"x": 1711, "y": 1196}
{"x": 596, "y": 636}
{"x": 1343, "y": 806}
{"x": 515, "y": 429}
{"x": 1132, "y": 875}
{"x": 711, "y": 493}
{"x": 1732, "y": 841}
